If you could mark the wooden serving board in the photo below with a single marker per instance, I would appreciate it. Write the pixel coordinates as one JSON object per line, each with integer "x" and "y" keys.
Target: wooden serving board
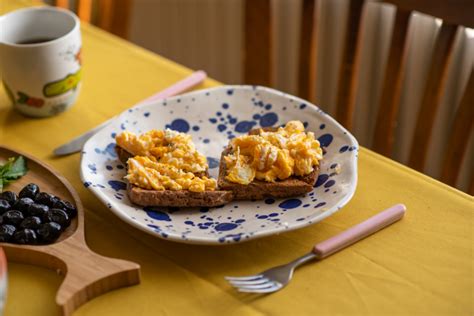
{"x": 87, "y": 274}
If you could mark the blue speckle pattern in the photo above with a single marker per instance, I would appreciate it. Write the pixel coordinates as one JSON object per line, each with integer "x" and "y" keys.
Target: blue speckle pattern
{"x": 269, "y": 201}
{"x": 117, "y": 185}
{"x": 225, "y": 227}
{"x": 290, "y": 203}
{"x": 230, "y": 111}
{"x": 244, "y": 126}
{"x": 92, "y": 168}
{"x": 325, "y": 140}
{"x": 179, "y": 125}
{"x": 157, "y": 214}
{"x": 212, "y": 162}
{"x": 268, "y": 119}
{"x": 107, "y": 150}
{"x": 329, "y": 183}
{"x": 321, "y": 179}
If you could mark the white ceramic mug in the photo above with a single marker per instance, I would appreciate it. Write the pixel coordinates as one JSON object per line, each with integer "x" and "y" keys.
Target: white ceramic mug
{"x": 40, "y": 59}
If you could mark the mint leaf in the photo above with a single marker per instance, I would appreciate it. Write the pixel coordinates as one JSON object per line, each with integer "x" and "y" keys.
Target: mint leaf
{"x": 17, "y": 169}
{"x": 7, "y": 166}
{"x": 12, "y": 170}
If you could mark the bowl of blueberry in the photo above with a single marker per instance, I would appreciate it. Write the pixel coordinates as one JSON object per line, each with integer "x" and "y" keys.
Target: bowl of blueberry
{"x": 33, "y": 217}
{"x": 42, "y": 223}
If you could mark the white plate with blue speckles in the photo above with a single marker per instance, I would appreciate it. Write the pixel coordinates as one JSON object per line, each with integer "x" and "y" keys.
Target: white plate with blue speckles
{"x": 212, "y": 117}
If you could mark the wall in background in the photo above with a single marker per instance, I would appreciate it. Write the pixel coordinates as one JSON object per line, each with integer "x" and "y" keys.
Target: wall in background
{"x": 207, "y": 34}
{"x": 201, "y": 34}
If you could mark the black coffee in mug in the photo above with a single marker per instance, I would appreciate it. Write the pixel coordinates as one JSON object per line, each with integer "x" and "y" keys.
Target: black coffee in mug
{"x": 36, "y": 40}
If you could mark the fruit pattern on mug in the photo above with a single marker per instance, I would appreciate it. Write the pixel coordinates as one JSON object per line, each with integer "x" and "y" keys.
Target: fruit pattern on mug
{"x": 62, "y": 86}
{"x": 72, "y": 54}
{"x": 23, "y": 98}
{"x": 53, "y": 88}
{"x": 33, "y": 217}
{"x": 78, "y": 56}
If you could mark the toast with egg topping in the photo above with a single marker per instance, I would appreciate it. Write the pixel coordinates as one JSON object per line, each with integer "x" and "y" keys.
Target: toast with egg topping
{"x": 165, "y": 169}
{"x": 271, "y": 162}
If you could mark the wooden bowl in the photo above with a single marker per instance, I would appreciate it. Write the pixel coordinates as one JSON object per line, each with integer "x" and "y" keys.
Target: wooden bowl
{"x": 87, "y": 274}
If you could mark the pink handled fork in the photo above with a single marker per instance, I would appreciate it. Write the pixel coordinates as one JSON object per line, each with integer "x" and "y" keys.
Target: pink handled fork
{"x": 278, "y": 277}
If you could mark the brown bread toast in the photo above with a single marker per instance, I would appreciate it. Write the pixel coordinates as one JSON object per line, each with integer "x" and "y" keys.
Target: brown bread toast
{"x": 180, "y": 198}
{"x": 258, "y": 189}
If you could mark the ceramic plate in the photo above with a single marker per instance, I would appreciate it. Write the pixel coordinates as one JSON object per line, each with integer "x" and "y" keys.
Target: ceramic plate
{"x": 213, "y": 117}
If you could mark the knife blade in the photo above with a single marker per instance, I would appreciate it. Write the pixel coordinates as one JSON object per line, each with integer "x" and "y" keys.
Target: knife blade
{"x": 76, "y": 144}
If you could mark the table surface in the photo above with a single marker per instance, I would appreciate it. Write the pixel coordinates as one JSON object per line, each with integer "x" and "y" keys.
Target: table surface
{"x": 421, "y": 265}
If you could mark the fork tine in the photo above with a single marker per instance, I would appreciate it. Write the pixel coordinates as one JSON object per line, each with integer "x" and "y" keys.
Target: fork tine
{"x": 251, "y": 282}
{"x": 266, "y": 290}
{"x": 245, "y": 278}
{"x": 256, "y": 286}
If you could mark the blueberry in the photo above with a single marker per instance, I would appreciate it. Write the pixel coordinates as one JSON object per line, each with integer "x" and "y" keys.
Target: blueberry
{"x": 23, "y": 204}
{"x": 10, "y": 196}
{"x": 39, "y": 210}
{"x": 57, "y": 215}
{"x": 67, "y": 207}
{"x": 46, "y": 199}
{"x": 4, "y": 206}
{"x": 30, "y": 191}
{"x": 25, "y": 236}
{"x": 6, "y": 232}
{"x": 13, "y": 217}
{"x": 32, "y": 222}
{"x": 49, "y": 232}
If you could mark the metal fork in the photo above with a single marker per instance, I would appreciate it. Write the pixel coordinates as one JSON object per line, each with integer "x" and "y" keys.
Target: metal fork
{"x": 276, "y": 278}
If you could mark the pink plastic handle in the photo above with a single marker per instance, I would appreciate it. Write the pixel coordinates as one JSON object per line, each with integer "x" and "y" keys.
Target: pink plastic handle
{"x": 179, "y": 87}
{"x": 359, "y": 231}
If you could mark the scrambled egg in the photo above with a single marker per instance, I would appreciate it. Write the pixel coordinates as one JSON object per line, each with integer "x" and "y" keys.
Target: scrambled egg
{"x": 165, "y": 160}
{"x": 152, "y": 175}
{"x": 273, "y": 155}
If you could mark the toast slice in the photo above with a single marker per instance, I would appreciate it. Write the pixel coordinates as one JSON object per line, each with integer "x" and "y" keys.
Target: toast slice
{"x": 170, "y": 198}
{"x": 259, "y": 189}
{"x": 180, "y": 198}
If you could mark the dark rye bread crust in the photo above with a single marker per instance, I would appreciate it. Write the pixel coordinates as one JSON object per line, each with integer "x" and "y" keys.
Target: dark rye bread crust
{"x": 258, "y": 189}
{"x": 180, "y": 198}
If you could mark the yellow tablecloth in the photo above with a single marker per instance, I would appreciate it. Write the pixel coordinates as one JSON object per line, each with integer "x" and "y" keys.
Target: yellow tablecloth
{"x": 422, "y": 265}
